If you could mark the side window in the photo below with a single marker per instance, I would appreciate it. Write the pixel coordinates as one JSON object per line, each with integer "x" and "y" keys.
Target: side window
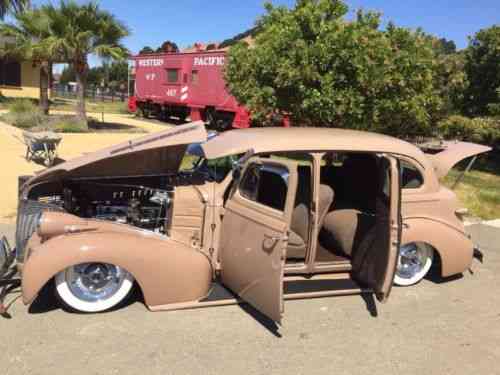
{"x": 250, "y": 182}
{"x": 10, "y": 73}
{"x": 172, "y": 75}
{"x": 411, "y": 178}
{"x": 265, "y": 184}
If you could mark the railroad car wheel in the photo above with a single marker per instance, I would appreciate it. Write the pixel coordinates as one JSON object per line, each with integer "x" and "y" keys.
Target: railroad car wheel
{"x": 415, "y": 260}
{"x": 145, "y": 113}
{"x": 93, "y": 287}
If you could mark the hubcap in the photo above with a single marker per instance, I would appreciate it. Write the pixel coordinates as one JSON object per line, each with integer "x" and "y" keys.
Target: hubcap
{"x": 93, "y": 282}
{"x": 411, "y": 261}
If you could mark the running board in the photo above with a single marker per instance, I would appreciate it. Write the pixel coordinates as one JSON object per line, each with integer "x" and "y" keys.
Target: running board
{"x": 294, "y": 287}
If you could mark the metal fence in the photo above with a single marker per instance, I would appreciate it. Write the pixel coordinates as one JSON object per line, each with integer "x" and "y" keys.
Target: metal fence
{"x": 93, "y": 93}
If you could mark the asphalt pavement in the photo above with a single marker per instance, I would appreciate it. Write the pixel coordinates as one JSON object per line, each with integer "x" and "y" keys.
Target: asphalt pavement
{"x": 436, "y": 327}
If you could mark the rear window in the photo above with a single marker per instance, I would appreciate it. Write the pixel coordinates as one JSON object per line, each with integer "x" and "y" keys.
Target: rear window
{"x": 411, "y": 178}
{"x": 172, "y": 75}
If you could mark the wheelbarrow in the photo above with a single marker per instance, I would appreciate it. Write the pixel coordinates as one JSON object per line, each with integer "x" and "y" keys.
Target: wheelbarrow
{"x": 42, "y": 146}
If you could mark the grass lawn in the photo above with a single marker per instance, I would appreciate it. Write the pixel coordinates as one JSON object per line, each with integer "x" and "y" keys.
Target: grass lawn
{"x": 479, "y": 190}
{"x": 63, "y": 104}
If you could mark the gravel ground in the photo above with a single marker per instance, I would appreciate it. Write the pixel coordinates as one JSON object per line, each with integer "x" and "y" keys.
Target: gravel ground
{"x": 436, "y": 327}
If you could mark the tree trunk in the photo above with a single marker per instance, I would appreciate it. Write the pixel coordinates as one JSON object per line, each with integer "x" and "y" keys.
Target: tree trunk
{"x": 44, "y": 87}
{"x": 81, "y": 84}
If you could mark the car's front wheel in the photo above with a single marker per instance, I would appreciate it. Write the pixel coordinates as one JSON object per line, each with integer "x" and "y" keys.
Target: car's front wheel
{"x": 93, "y": 287}
{"x": 415, "y": 260}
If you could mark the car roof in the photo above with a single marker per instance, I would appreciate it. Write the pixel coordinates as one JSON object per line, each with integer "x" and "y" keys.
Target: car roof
{"x": 277, "y": 139}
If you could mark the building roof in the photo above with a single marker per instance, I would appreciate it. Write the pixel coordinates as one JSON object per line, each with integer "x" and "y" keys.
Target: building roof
{"x": 264, "y": 140}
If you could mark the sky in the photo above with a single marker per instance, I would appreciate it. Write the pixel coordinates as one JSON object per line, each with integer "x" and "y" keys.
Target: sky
{"x": 188, "y": 21}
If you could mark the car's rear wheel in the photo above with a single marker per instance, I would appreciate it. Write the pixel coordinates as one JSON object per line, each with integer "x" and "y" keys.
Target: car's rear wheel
{"x": 415, "y": 260}
{"x": 93, "y": 287}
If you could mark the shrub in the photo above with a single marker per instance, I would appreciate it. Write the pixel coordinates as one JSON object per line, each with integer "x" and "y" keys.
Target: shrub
{"x": 484, "y": 130}
{"x": 312, "y": 64}
{"x": 22, "y": 106}
{"x": 25, "y": 120}
{"x": 73, "y": 126}
{"x": 63, "y": 124}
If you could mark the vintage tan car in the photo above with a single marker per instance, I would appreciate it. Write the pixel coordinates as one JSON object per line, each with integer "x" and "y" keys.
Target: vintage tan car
{"x": 256, "y": 215}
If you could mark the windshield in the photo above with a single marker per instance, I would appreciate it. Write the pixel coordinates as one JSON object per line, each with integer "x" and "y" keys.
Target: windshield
{"x": 194, "y": 161}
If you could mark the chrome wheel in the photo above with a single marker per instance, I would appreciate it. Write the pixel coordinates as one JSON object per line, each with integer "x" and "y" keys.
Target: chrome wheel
{"x": 94, "y": 281}
{"x": 93, "y": 287}
{"x": 415, "y": 260}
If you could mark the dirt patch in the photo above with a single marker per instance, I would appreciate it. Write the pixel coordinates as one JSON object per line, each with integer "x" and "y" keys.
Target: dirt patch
{"x": 14, "y": 164}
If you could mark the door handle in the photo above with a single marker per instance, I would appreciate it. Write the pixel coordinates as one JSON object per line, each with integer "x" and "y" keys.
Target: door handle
{"x": 276, "y": 238}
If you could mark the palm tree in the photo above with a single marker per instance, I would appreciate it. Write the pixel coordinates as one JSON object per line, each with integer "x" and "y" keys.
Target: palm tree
{"x": 14, "y": 6}
{"x": 77, "y": 31}
{"x": 25, "y": 40}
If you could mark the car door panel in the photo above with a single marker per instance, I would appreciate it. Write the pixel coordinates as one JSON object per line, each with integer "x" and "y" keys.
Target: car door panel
{"x": 374, "y": 262}
{"x": 253, "y": 247}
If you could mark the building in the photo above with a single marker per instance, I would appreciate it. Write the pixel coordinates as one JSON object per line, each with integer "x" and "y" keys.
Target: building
{"x": 19, "y": 78}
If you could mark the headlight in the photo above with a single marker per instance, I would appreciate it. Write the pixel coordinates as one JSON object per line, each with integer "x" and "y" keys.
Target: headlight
{"x": 53, "y": 224}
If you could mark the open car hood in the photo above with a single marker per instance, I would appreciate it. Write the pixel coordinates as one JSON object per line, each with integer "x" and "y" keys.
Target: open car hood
{"x": 157, "y": 153}
{"x": 454, "y": 152}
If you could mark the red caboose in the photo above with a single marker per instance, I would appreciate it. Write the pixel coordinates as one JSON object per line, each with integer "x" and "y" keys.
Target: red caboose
{"x": 186, "y": 84}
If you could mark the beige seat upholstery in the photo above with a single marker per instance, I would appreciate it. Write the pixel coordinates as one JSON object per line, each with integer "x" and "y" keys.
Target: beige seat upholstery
{"x": 343, "y": 230}
{"x": 299, "y": 228}
{"x": 345, "y": 227}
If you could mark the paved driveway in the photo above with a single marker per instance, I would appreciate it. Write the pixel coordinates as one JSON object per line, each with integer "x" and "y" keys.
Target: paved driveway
{"x": 433, "y": 328}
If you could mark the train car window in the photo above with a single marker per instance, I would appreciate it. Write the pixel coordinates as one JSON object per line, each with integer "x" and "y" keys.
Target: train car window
{"x": 172, "y": 75}
{"x": 194, "y": 77}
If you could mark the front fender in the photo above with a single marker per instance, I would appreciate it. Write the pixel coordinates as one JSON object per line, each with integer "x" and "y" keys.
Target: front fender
{"x": 454, "y": 247}
{"x": 167, "y": 271}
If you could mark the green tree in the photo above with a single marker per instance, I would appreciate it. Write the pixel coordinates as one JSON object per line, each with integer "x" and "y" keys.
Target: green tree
{"x": 118, "y": 72}
{"x": 78, "y": 31}
{"x": 449, "y": 77}
{"x": 26, "y": 41}
{"x": 168, "y": 47}
{"x": 311, "y": 64}
{"x": 67, "y": 75}
{"x": 145, "y": 50}
{"x": 482, "y": 66}
{"x": 13, "y": 6}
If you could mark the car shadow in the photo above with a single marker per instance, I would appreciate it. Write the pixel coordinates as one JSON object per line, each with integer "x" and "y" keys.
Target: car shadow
{"x": 371, "y": 305}
{"x": 46, "y": 301}
{"x": 436, "y": 278}
{"x": 266, "y": 322}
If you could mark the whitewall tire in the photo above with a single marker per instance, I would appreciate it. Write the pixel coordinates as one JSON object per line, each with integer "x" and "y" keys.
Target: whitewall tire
{"x": 414, "y": 261}
{"x": 93, "y": 287}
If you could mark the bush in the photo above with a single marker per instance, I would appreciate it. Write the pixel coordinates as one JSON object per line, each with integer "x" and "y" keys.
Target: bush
{"x": 22, "y": 106}
{"x": 25, "y": 120}
{"x": 313, "y": 65}
{"x": 484, "y": 130}
{"x": 26, "y": 115}
{"x": 62, "y": 124}
{"x": 70, "y": 126}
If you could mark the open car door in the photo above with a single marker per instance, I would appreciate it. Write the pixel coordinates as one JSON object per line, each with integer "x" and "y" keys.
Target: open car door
{"x": 374, "y": 264}
{"x": 255, "y": 234}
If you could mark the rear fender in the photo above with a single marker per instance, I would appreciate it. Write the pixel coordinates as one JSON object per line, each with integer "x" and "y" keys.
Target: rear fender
{"x": 454, "y": 247}
{"x": 167, "y": 271}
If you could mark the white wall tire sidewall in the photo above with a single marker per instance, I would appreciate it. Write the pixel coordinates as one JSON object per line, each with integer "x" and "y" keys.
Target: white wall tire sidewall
{"x": 400, "y": 281}
{"x": 64, "y": 292}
